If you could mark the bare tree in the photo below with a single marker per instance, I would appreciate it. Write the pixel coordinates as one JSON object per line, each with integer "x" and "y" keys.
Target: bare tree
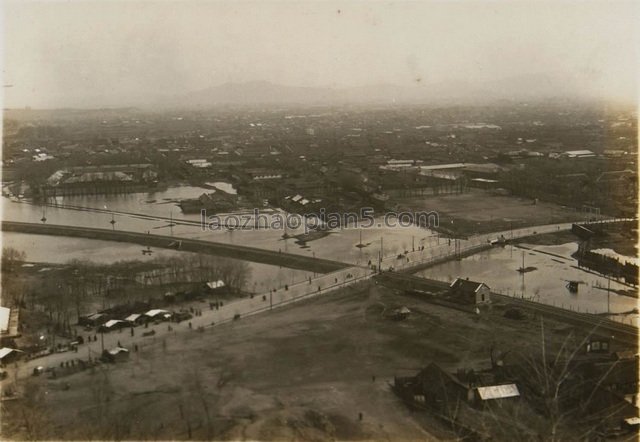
{"x": 558, "y": 385}
{"x": 13, "y": 287}
{"x": 12, "y": 258}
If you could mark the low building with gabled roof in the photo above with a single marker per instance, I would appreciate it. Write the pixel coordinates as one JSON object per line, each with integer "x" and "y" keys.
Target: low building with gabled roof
{"x": 469, "y": 292}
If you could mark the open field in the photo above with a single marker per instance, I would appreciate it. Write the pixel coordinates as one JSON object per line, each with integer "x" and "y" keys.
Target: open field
{"x": 479, "y": 211}
{"x": 302, "y": 372}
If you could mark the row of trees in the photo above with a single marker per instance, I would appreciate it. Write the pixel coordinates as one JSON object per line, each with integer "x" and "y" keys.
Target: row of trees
{"x": 198, "y": 268}
{"x": 64, "y": 294}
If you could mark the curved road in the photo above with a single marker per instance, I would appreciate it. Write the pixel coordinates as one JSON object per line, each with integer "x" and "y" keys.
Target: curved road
{"x": 289, "y": 260}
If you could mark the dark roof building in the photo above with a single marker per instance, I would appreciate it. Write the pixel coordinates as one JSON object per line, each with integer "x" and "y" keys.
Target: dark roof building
{"x": 470, "y": 292}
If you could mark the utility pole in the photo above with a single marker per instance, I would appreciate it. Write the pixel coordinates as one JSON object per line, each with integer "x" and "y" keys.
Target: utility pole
{"x": 609, "y": 295}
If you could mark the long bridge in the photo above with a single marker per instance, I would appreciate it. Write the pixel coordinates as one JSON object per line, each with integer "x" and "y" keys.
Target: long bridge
{"x": 289, "y": 260}
{"x": 337, "y": 274}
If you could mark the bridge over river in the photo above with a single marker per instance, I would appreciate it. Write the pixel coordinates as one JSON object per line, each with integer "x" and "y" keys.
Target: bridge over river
{"x": 289, "y": 260}
{"x": 410, "y": 262}
{"x": 335, "y": 275}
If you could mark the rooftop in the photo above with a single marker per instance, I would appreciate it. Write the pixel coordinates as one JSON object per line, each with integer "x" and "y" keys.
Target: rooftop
{"x": 466, "y": 286}
{"x": 498, "y": 391}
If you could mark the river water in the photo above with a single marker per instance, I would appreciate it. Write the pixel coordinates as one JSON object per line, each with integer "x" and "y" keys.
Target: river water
{"x": 59, "y": 250}
{"x": 498, "y": 268}
{"x": 154, "y": 212}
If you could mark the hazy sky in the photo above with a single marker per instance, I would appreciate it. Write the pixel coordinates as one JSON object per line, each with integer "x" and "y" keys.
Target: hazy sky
{"x": 122, "y": 52}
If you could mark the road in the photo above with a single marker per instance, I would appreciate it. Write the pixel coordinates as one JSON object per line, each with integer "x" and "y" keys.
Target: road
{"x": 446, "y": 249}
{"x": 318, "y": 286}
{"x": 246, "y": 307}
{"x": 624, "y": 332}
{"x": 283, "y": 259}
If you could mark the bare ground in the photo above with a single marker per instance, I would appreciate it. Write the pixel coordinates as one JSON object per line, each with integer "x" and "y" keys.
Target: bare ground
{"x": 303, "y": 372}
{"x": 479, "y": 211}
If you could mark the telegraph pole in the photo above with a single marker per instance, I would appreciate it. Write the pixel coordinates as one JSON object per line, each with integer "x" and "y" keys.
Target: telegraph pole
{"x": 609, "y": 295}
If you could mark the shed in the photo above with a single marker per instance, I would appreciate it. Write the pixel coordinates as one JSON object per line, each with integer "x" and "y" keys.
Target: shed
{"x": 470, "y": 292}
{"x": 440, "y": 388}
{"x": 134, "y": 319}
{"x": 113, "y": 324}
{"x": 8, "y": 355}
{"x": 93, "y": 319}
{"x": 158, "y": 314}
{"x": 215, "y": 286}
{"x": 497, "y": 392}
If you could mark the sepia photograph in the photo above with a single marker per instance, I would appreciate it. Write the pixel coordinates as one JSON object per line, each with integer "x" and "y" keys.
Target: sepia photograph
{"x": 319, "y": 220}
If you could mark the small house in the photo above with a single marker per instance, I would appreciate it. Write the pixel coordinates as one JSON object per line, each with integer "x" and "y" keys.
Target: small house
{"x": 158, "y": 314}
{"x": 9, "y": 355}
{"x": 598, "y": 345}
{"x": 469, "y": 292}
{"x": 134, "y": 319}
{"x": 93, "y": 320}
{"x": 112, "y": 324}
{"x": 432, "y": 387}
{"x": 214, "y": 287}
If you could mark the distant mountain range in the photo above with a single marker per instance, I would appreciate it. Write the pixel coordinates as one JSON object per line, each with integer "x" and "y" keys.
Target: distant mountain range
{"x": 534, "y": 87}
{"x": 531, "y": 87}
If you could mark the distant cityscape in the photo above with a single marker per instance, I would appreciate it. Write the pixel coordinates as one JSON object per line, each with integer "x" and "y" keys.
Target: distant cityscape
{"x": 318, "y": 221}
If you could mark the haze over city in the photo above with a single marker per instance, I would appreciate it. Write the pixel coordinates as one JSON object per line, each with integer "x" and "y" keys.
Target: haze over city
{"x": 158, "y": 54}
{"x": 319, "y": 221}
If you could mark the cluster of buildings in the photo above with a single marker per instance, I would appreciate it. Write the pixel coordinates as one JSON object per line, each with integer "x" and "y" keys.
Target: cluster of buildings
{"x": 596, "y": 385}
{"x": 131, "y": 315}
{"x": 346, "y": 158}
{"x": 96, "y": 180}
